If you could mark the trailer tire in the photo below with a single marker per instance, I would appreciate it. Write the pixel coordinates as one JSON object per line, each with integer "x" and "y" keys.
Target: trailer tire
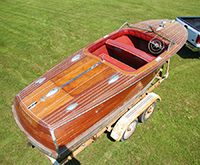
{"x": 147, "y": 113}
{"x": 129, "y": 130}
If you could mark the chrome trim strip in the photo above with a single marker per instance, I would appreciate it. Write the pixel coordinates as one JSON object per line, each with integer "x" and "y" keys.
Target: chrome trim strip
{"x": 54, "y": 139}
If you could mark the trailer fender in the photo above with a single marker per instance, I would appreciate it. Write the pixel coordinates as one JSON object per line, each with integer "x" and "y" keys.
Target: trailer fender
{"x": 123, "y": 123}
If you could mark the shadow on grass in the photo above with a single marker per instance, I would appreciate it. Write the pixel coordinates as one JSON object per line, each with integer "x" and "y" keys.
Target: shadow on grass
{"x": 109, "y": 137}
{"x": 74, "y": 161}
{"x": 185, "y": 53}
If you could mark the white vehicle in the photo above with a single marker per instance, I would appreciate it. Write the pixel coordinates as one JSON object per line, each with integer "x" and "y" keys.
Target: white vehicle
{"x": 192, "y": 24}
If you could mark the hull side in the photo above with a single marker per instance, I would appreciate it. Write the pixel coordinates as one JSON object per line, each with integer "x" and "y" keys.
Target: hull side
{"x": 75, "y": 132}
{"x": 37, "y": 133}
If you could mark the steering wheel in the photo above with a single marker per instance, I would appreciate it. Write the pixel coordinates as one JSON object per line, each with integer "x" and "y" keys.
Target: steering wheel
{"x": 156, "y": 45}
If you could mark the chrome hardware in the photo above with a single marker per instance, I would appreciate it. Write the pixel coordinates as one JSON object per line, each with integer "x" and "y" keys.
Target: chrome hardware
{"x": 71, "y": 107}
{"x": 158, "y": 59}
{"x": 43, "y": 99}
{"x": 52, "y": 92}
{"x": 32, "y": 105}
{"x": 125, "y": 24}
{"x": 76, "y": 58}
{"x": 40, "y": 80}
{"x": 106, "y": 36}
{"x": 113, "y": 79}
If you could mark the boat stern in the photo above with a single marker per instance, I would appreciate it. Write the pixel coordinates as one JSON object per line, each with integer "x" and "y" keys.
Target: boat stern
{"x": 28, "y": 113}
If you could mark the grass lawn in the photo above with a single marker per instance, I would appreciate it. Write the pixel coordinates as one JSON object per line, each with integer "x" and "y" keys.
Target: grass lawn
{"x": 35, "y": 35}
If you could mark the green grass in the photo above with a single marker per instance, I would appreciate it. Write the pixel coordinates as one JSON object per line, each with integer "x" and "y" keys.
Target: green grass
{"x": 37, "y": 35}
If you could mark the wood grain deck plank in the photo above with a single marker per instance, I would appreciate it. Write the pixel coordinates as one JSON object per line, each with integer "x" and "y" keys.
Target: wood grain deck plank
{"x": 91, "y": 82}
{"x": 76, "y": 72}
{"x": 72, "y": 68}
{"x": 29, "y": 99}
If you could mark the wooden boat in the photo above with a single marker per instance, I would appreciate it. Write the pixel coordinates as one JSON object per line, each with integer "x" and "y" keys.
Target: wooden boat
{"x": 77, "y": 98}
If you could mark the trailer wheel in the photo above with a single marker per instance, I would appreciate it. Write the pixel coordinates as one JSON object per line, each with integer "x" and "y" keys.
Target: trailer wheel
{"x": 130, "y": 130}
{"x": 147, "y": 113}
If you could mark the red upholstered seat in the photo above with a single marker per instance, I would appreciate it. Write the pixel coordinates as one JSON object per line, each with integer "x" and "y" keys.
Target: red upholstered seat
{"x": 132, "y": 50}
{"x": 116, "y": 62}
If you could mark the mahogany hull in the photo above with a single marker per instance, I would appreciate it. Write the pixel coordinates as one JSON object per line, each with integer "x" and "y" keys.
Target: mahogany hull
{"x": 83, "y": 94}
{"x": 90, "y": 123}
